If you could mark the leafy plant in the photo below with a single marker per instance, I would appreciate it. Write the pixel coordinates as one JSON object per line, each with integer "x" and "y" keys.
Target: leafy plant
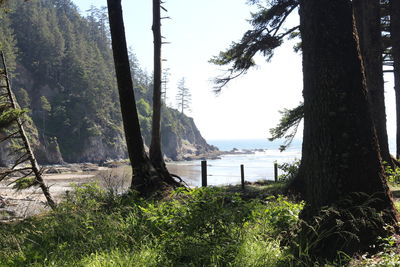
{"x": 290, "y": 170}
{"x": 393, "y": 175}
{"x": 201, "y": 227}
{"x": 334, "y": 232}
{"x": 388, "y": 257}
{"x": 25, "y": 182}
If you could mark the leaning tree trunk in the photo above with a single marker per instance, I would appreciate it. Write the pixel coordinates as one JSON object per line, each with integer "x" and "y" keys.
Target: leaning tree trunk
{"x": 368, "y": 21}
{"x": 340, "y": 154}
{"x": 145, "y": 178}
{"x": 29, "y": 155}
{"x": 395, "y": 36}
{"x": 156, "y": 155}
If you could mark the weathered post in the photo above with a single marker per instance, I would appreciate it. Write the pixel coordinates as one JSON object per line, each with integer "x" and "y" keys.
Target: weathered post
{"x": 276, "y": 171}
{"x": 204, "y": 173}
{"x": 242, "y": 175}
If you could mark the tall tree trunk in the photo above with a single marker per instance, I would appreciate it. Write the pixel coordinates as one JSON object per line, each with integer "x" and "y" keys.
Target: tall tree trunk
{"x": 395, "y": 36}
{"x": 145, "y": 178}
{"x": 340, "y": 154}
{"x": 156, "y": 155}
{"x": 368, "y": 21}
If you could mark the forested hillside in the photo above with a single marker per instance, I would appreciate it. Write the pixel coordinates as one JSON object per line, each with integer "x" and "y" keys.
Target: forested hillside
{"x": 63, "y": 73}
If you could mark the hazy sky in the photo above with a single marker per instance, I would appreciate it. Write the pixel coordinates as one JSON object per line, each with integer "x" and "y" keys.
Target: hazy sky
{"x": 198, "y": 30}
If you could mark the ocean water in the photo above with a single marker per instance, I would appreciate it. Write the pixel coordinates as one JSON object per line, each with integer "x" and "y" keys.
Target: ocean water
{"x": 227, "y": 145}
{"x": 257, "y": 166}
{"x": 392, "y": 146}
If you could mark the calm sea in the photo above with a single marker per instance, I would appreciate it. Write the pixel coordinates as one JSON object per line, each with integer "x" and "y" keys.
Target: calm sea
{"x": 392, "y": 146}
{"x": 227, "y": 145}
{"x": 257, "y": 166}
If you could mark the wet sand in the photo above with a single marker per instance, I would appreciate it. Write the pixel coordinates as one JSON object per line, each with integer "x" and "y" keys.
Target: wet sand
{"x": 221, "y": 172}
{"x": 27, "y": 202}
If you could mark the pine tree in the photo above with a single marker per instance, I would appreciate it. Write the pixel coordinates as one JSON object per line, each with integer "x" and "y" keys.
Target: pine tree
{"x": 164, "y": 89}
{"x": 340, "y": 165}
{"x": 395, "y": 38}
{"x": 146, "y": 179}
{"x": 25, "y": 164}
{"x": 144, "y": 173}
{"x": 267, "y": 33}
{"x": 183, "y": 97}
{"x": 368, "y": 20}
{"x": 156, "y": 155}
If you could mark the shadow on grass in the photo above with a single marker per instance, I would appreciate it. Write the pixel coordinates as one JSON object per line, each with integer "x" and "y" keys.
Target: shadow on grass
{"x": 257, "y": 190}
{"x": 396, "y": 193}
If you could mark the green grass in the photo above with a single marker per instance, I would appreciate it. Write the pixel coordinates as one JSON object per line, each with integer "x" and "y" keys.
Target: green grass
{"x": 202, "y": 227}
{"x": 397, "y": 205}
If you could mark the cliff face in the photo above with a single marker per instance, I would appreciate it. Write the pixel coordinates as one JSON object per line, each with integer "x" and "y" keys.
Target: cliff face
{"x": 63, "y": 73}
{"x": 96, "y": 150}
{"x": 46, "y": 151}
{"x": 183, "y": 141}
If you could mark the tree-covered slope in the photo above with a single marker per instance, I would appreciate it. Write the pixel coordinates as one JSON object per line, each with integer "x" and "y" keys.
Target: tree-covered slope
{"x": 64, "y": 73}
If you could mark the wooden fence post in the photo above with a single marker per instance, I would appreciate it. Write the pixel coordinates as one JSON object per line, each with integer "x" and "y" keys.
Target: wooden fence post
{"x": 204, "y": 173}
{"x": 276, "y": 171}
{"x": 242, "y": 175}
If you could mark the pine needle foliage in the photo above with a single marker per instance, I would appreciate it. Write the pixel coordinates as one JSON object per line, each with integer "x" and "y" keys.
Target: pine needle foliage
{"x": 266, "y": 35}
{"x": 288, "y": 125}
{"x": 337, "y": 230}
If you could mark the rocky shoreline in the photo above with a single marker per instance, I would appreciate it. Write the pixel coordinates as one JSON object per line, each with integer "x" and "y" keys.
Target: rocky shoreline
{"x": 60, "y": 177}
{"x": 216, "y": 154}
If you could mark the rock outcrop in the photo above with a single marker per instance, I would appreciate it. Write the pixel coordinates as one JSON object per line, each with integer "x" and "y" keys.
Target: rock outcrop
{"x": 185, "y": 141}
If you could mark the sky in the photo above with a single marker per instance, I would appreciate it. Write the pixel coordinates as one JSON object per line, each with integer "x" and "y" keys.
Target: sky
{"x": 199, "y": 30}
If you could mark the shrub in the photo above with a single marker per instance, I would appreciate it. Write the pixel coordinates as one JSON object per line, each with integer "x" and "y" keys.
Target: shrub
{"x": 388, "y": 257}
{"x": 393, "y": 175}
{"x": 290, "y": 170}
{"x": 348, "y": 227}
{"x": 115, "y": 181}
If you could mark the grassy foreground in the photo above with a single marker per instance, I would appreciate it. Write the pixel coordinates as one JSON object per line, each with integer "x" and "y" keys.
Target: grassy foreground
{"x": 201, "y": 227}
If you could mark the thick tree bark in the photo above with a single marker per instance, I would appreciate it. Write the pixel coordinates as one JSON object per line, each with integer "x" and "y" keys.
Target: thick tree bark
{"x": 145, "y": 178}
{"x": 340, "y": 154}
{"x": 368, "y": 21}
{"x": 156, "y": 155}
{"x": 395, "y": 36}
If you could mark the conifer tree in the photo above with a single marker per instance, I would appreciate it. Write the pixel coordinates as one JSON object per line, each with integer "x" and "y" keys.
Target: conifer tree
{"x": 395, "y": 40}
{"x": 340, "y": 166}
{"x": 368, "y": 21}
{"x": 156, "y": 155}
{"x": 268, "y": 33}
{"x": 183, "y": 97}
{"x": 146, "y": 179}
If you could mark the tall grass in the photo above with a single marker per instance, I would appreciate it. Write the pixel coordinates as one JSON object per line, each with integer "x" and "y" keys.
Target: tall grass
{"x": 201, "y": 227}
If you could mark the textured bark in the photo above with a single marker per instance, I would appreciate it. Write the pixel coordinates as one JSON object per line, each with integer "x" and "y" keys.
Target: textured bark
{"x": 395, "y": 36}
{"x": 341, "y": 167}
{"x": 368, "y": 21}
{"x": 145, "y": 178}
{"x": 340, "y": 150}
{"x": 156, "y": 155}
